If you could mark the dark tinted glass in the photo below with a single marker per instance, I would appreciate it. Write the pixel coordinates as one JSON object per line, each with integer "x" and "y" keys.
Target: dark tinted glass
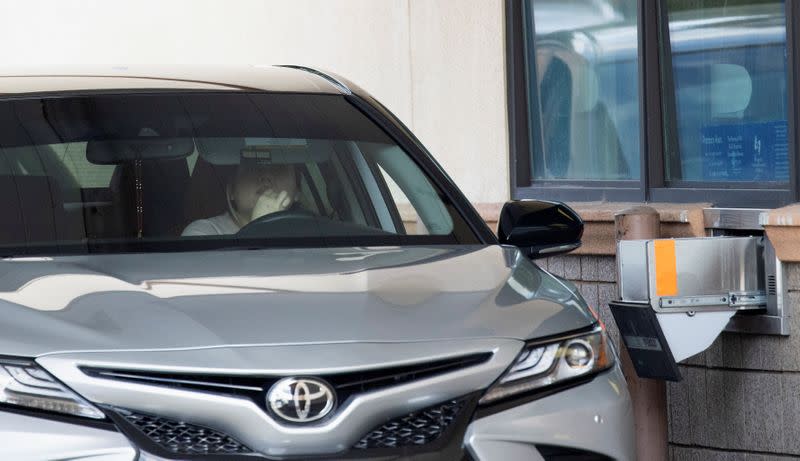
{"x": 583, "y": 85}
{"x": 150, "y": 172}
{"x": 726, "y": 91}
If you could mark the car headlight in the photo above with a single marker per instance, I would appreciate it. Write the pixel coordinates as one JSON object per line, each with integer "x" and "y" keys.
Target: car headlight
{"x": 540, "y": 365}
{"x": 25, "y": 384}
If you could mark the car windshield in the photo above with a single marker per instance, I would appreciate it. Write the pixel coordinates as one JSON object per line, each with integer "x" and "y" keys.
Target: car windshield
{"x": 189, "y": 171}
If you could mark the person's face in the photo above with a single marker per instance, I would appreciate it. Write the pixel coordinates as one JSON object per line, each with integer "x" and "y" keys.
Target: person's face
{"x": 253, "y": 181}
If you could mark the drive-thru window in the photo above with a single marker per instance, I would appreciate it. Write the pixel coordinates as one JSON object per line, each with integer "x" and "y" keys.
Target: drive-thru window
{"x": 671, "y": 100}
{"x": 688, "y": 106}
{"x": 653, "y": 100}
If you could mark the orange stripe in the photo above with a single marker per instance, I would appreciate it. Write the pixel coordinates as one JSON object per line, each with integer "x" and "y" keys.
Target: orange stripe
{"x": 666, "y": 270}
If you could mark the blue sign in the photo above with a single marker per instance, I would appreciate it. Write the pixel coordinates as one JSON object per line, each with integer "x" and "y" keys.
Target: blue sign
{"x": 756, "y": 151}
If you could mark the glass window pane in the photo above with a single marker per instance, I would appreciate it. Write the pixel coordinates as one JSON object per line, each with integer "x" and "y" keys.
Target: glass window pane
{"x": 411, "y": 195}
{"x": 111, "y": 173}
{"x": 725, "y": 108}
{"x": 73, "y": 155}
{"x": 408, "y": 214}
{"x": 586, "y": 90}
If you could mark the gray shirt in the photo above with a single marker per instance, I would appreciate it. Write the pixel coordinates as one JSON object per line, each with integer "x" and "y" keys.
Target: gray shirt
{"x": 218, "y": 225}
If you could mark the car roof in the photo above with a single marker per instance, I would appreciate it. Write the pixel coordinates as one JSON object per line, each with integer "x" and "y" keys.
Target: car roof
{"x": 295, "y": 79}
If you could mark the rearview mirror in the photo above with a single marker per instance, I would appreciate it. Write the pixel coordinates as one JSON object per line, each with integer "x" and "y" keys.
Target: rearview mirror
{"x": 540, "y": 228}
{"x": 116, "y": 151}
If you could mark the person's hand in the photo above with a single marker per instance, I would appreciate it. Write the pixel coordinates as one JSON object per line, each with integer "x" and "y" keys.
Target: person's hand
{"x": 271, "y": 202}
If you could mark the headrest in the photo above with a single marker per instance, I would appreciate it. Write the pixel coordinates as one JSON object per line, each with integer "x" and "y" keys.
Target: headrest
{"x": 731, "y": 89}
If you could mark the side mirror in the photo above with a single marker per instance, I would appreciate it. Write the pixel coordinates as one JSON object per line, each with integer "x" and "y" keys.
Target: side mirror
{"x": 540, "y": 228}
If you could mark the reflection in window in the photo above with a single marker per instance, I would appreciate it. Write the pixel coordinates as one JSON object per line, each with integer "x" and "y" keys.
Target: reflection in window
{"x": 585, "y": 92}
{"x": 725, "y": 109}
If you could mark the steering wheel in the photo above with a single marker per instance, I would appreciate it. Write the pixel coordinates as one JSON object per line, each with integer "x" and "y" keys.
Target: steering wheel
{"x": 267, "y": 224}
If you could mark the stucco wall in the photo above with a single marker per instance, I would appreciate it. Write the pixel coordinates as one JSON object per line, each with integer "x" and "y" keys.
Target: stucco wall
{"x": 458, "y": 91}
{"x": 439, "y": 65}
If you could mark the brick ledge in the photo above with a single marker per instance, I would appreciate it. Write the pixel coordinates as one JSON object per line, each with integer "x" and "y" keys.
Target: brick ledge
{"x": 599, "y": 237}
{"x": 782, "y": 226}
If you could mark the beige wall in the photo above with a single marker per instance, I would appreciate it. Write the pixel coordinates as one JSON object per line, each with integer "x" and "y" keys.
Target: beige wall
{"x": 459, "y": 91}
{"x": 438, "y": 64}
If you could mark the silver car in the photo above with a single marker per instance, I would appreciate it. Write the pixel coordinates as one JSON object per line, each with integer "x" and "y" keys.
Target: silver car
{"x": 264, "y": 263}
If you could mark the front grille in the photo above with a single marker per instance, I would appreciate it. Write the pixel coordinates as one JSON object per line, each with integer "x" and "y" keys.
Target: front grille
{"x": 253, "y": 387}
{"x": 418, "y": 428}
{"x": 182, "y": 438}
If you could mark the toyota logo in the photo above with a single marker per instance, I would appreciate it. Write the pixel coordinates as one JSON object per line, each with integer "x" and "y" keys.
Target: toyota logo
{"x": 301, "y": 400}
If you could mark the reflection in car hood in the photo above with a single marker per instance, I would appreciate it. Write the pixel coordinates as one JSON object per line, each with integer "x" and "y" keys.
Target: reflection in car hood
{"x": 268, "y": 297}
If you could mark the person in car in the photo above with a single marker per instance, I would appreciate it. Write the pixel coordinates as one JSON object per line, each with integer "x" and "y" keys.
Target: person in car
{"x": 256, "y": 190}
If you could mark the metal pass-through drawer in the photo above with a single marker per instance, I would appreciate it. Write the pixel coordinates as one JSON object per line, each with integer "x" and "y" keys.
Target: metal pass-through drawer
{"x": 697, "y": 274}
{"x": 678, "y": 295}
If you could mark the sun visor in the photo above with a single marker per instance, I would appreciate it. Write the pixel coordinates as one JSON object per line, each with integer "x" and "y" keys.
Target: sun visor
{"x": 260, "y": 151}
{"x": 115, "y": 151}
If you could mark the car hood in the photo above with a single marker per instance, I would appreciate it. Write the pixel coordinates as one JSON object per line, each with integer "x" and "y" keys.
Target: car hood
{"x": 279, "y": 297}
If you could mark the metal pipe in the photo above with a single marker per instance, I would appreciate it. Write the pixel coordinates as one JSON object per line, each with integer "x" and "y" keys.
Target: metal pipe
{"x": 649, "y": 396}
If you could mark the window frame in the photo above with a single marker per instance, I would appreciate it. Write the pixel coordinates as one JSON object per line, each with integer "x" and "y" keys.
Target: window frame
{"x": 652, "y": 185}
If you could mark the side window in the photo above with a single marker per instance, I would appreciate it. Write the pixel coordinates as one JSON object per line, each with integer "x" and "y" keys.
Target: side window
{"x": 725, "y": 98}
{"x": 343, "y": 193}
{"x": 420, "y": 208}
{"x": 41, "y": 161}
{"x": 412, "y": 224}
{"x": 317, "y": 184}
{"x": 310, "y": 196}
{"x": 88, "y": 175}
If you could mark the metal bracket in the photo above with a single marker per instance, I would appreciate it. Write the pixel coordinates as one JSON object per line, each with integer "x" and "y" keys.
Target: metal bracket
{"x": 733, "y": 300}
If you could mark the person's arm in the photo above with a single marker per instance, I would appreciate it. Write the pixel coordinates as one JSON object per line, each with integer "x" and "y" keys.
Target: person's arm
{"x": 200, "y": 228}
